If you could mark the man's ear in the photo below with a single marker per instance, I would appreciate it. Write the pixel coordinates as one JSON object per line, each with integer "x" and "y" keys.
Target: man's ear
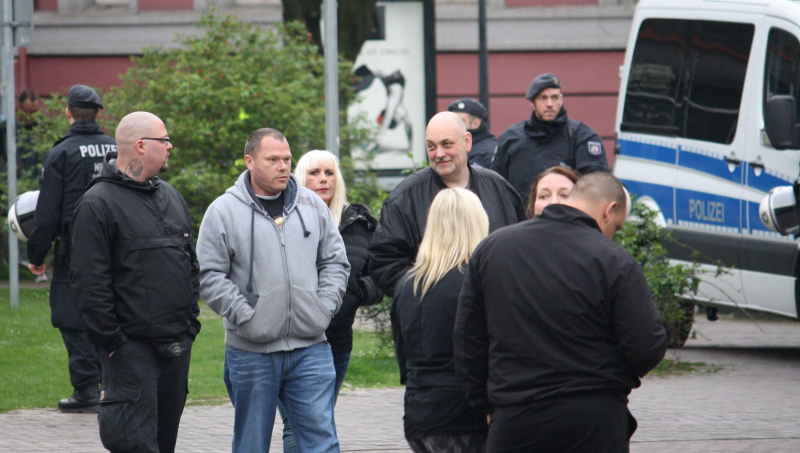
{"x": 609, "y": 210}
{"x": 468, "y": 141}
{"x": 248, "y": 161}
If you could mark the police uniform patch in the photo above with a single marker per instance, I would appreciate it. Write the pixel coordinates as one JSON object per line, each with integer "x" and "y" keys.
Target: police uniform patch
{"x": 594, "y": 148}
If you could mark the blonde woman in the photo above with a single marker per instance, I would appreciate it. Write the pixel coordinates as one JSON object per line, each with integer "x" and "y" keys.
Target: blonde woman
{"x": 437, "y": 415}
{"x": 319, "y": 171}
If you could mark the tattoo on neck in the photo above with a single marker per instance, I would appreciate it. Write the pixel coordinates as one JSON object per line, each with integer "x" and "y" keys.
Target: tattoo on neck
{"x": 134, "y": 168}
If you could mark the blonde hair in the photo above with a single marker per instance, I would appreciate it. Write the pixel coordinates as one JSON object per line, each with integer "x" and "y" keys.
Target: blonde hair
{"x": 457, "y": 223}
{"x": 314, "y": 159}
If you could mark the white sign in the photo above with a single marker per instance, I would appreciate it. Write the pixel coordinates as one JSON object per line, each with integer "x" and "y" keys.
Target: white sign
{"x": 391, "y": 89}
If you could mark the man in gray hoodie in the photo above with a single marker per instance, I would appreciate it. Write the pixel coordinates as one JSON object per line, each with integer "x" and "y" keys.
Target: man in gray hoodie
{"x": 273, "y": 265}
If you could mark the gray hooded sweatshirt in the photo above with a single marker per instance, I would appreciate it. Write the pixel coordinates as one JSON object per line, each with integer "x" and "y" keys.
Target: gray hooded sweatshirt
{"x": 276, "y": 287}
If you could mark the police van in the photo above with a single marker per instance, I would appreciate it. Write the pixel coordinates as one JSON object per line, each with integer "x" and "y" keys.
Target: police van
{"x": 706, "y": 127}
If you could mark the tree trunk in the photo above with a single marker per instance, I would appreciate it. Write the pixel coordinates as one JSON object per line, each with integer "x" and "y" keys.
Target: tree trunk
{"x": 354, "y": 17}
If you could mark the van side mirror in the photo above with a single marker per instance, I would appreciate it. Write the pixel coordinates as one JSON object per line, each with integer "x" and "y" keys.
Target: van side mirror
{"x": 779, "y": 118}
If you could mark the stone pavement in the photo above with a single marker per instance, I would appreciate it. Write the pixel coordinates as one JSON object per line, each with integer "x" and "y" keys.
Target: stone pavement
{"x": 751, "y": 405}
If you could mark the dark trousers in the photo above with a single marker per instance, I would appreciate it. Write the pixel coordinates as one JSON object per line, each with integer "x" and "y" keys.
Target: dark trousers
{"x": 586, "y": 422}
{"x": 84, "y": 366}
{"x": 143, "y": 398}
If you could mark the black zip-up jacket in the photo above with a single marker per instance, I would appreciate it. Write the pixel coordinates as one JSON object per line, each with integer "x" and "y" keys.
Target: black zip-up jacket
{"x": 532, "y": 146}
{"x": 552, "y": 307}
{"x": 68, "y": 167}
{"x": 356, "y": 228}
{"x": 422, "y": 330}
{"x": 484, "y": 144}
{"x": 134, "y": 268}
{"x": 405, "y": 212}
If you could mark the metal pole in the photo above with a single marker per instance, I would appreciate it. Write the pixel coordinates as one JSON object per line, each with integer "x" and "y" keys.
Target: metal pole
{"x": 483, "y": 55}
{"x": 7, "y": 71}
{"x": 331, "y": 76}
{"x": 429, "y": 37}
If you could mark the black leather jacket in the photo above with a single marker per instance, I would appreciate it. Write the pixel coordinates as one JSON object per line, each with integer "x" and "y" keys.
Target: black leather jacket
{"x": 356, "y": 227}
{"x": 405, "y": 213}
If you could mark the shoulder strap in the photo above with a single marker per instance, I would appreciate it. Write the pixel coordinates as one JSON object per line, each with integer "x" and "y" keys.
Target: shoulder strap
{"x": 572, "y": 151}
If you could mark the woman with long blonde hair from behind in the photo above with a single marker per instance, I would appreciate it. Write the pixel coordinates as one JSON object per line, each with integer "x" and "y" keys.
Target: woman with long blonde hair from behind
{"x": 437, "y": 415}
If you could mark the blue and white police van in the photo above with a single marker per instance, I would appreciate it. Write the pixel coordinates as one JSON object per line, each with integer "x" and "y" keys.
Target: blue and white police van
{"x": 706, "y": 128}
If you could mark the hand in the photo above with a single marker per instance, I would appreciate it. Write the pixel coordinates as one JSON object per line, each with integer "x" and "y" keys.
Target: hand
{"x": 37, "y": 270}
{"x": 488, "y": 418}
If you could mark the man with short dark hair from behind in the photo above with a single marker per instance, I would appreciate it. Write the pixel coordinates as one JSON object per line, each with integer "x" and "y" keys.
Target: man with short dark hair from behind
{"x": 556, "y": 325}
{"x": 135, "y": 276}
{"x": 74, "y": 160}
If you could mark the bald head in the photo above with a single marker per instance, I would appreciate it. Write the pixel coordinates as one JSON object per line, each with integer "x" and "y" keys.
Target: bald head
{"x": 448, "y": 143}
{"x": 601, "y": 196}
{"x": 133, "y": 127}
{"x": 143, "y": 146}
{"x": 447, "y": 120}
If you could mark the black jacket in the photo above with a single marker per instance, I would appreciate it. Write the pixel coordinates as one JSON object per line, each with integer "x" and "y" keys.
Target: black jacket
{"x": 405, "y": 213}
{"x": 484, "y": 144}
{"x": 67, "y": 170}
{"x": 435, "y": 402}
{"x": 356, "y": 227}
{"x": 532, "y": 146}
{"x": 134, "y": 268}
{"x": 551, "y": 307}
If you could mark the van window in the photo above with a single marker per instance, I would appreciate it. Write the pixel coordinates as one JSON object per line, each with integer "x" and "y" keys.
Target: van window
{"x": 686, "y": 79}
{"x": 781, "y": 75}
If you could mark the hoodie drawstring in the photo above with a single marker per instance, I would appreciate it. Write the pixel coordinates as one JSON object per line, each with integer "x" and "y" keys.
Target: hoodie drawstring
{"x": 306, "y": 233}
{"x": 249, "y": 286}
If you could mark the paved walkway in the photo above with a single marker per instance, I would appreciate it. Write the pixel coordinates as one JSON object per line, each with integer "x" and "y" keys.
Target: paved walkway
{"x": 751, "y": 405}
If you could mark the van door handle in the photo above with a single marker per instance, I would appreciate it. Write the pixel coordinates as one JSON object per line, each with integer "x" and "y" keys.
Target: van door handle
{"x": 757, "y": 166}
{"x": 732, "y": 160}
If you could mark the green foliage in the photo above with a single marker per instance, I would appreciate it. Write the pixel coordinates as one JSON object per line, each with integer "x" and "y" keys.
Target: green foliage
{"x": 371, "y": 365}
{"x": 220, "y": 86}
{"x": 673, "y": 286}
{"x": 214, "y": 89}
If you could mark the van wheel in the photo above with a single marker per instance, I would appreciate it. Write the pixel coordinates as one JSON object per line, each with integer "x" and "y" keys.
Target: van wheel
{"x": 678, "y": 332}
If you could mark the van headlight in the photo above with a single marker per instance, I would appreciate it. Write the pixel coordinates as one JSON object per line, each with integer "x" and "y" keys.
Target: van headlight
{"x": 778, "y": 210}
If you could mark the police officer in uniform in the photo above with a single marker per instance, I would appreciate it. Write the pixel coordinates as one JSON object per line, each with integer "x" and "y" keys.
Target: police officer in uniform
{"x": 66, "y": 172}
{"x": 475, "y": 117}
{"x": 547, "y": 139}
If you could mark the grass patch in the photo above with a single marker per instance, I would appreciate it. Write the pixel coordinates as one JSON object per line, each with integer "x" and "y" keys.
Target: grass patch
{"x": 369, "y": 367}
{"x": 671, "y": 367}
{"x": 35, "y": 374}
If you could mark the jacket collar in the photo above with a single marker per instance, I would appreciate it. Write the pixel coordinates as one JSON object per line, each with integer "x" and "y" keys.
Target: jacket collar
{"x": 244, "y": 192}
{"x": 567, "y": 214}
{"x": 472, "y": 185}
{"x": 81, "y": 127}
{"x": 481, "y": 133}
{"x": 537, "y": 128}
{"x": 357, "y": 212}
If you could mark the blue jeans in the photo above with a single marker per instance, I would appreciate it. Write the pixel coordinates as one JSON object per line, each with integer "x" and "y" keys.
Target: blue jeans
{"x": 303, "y": 380}
{"x": 340, "y": 361}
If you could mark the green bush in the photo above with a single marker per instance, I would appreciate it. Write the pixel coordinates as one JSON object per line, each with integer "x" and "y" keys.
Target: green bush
{"x": 212, "y": 91}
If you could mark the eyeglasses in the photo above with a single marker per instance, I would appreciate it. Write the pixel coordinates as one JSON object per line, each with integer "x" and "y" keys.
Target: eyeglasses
{"x": 164, "y": 140}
